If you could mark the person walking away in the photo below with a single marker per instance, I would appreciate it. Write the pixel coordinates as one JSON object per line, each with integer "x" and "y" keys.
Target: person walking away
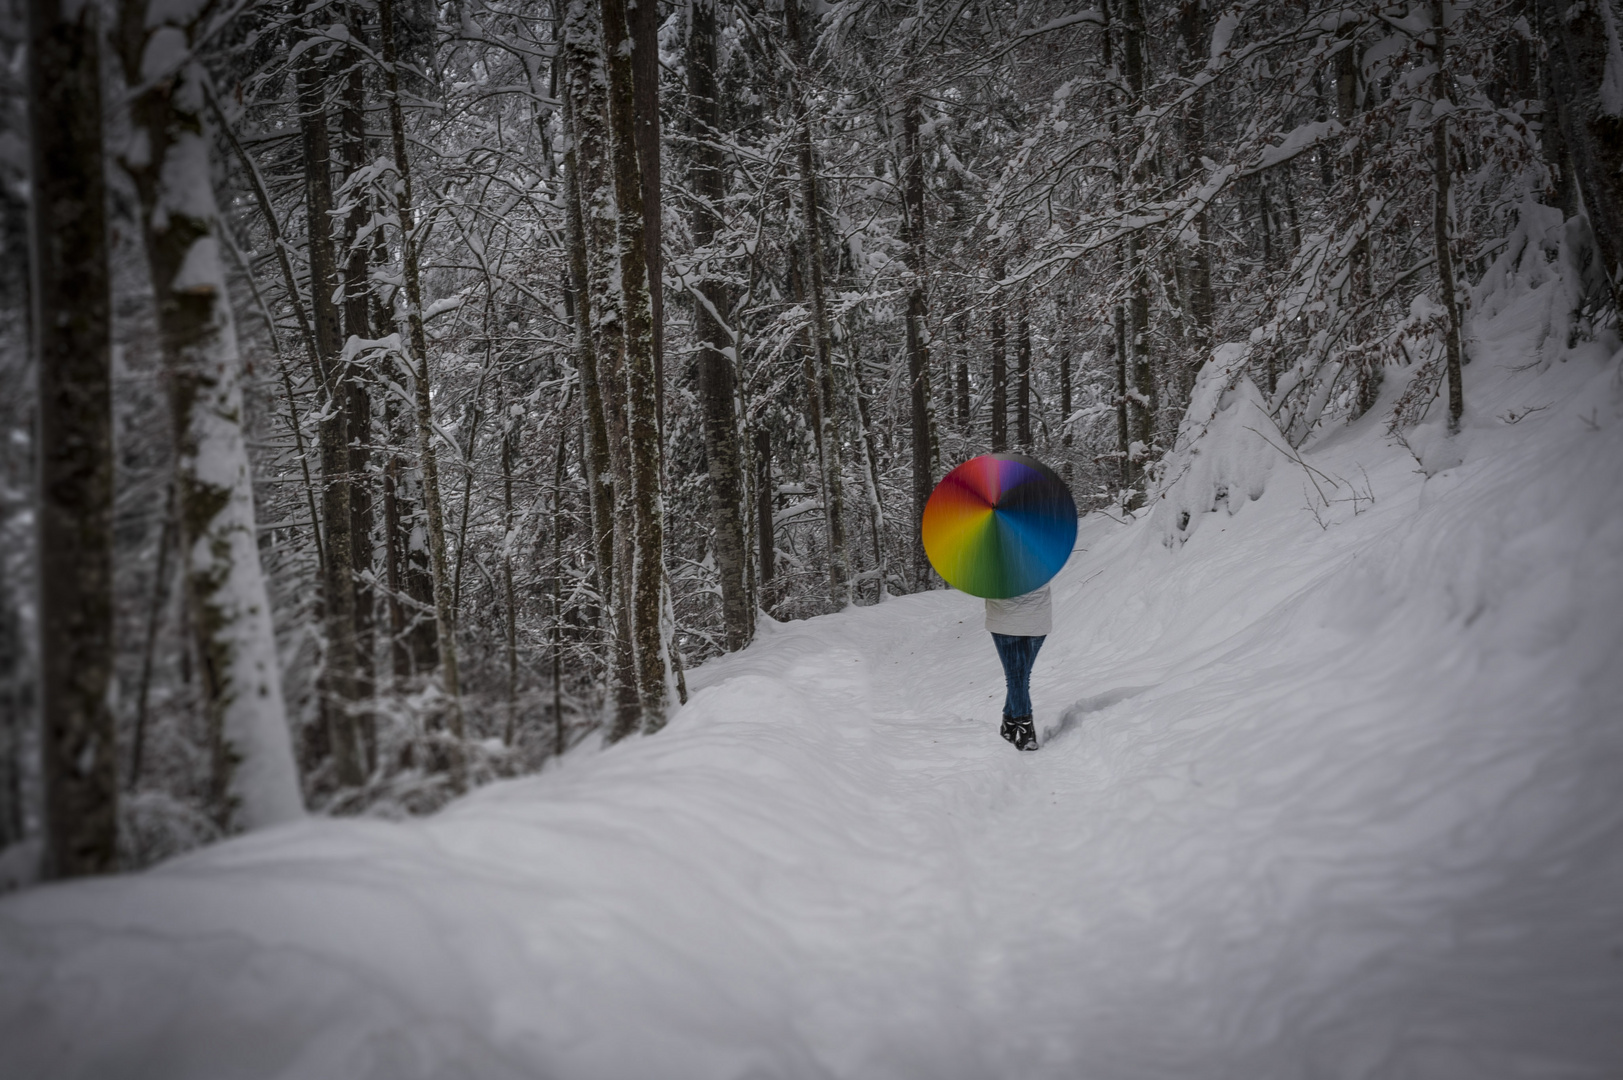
{"x": 1018, "y": 625}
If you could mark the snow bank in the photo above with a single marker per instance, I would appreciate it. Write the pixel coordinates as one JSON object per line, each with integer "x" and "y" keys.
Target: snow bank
{"x": 1227, "y": 445}
{"x": 1328, "y": 795}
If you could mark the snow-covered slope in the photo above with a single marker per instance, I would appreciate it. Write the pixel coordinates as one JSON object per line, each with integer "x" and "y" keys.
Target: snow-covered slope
{"x": 1330, "y": 790}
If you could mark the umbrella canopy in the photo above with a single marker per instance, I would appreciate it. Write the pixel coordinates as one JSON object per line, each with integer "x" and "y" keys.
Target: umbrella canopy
{"x": 999, "y": 525}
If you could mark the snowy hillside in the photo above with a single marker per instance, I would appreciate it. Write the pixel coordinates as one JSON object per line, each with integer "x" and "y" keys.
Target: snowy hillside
{"x": 1329, "y": 789}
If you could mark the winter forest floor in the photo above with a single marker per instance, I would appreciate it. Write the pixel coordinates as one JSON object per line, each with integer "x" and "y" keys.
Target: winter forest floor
{"x": 1330, "y": 790}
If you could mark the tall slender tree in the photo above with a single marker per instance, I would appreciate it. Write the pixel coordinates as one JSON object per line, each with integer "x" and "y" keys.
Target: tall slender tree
{"x": 444, "y": 616}
{"x": 1442, "y": 238}
{"x": 650, "y": 641}
{"x": 918, "y": 354}
{"x": 72, "y": 324}
{"x": 338, "y": 588}
{"x": 707, "y": 183}
{"x": 828, "y": 436}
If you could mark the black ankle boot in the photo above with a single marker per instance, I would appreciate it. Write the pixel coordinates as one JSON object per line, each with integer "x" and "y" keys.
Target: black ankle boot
{"x": 1020, "y": 731}
{"x": 1008, "y": 730}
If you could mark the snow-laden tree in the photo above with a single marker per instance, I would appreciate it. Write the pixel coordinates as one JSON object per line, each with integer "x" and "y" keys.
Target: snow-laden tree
{"x": 168, "y": 159}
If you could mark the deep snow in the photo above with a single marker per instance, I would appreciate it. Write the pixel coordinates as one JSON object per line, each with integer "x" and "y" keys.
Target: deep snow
{"x": 1334, "y": 793}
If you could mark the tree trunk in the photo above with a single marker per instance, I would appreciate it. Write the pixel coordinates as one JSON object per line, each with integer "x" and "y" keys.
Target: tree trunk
{"x": 510, "y": 436}
{"x": 161, "y": 594}
{"x": 1124, "y": 438}
{"x": 583, "y": 141}
{"x": 1065, "y": 399}
{"x": 1562, "y": 193}
{"x": 444, "y": 618}
{"x": 1202, "y": 302}
{"x": 918, "y": 354}
{"x": 962, "y": 380}
{"x": 255, "y": 782}
{"x": 414, "y": 636}
{"x": 870, "y": 478}
{"x": 1000, "y": 370}
{"x": 358, "y": 304}
{"x": 338, "y": 586}
{"x": 1443, "y": 169}
{"x": 1580, "y": 40}
{"x": 1141, "y": 389}
{"x": 72, "y": 324}
{"x": 766, "y": 532}
{"x": 1022, "y": 393}
{"x": 14, "y": 712}
{"x": 650, "y": 647}
{"x": 827, "y": 430}
{"x": 600, "y": 306}
{"x": 723, "y": 457}
{"x": 642, "y": 17}
{"x": 1370, "y": 370}
{"x": 558, "y": 742}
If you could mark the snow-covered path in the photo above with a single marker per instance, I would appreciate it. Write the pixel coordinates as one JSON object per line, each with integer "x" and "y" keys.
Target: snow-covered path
{"x": 1333, "y": 801}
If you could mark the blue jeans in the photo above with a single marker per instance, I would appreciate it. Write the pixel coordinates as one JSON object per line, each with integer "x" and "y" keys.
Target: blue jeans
{"x": 1017, "y": 654}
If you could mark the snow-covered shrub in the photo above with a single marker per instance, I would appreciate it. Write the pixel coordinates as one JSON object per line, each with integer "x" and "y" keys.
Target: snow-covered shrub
{"x": 154, "y": 825}
{"x": 1555, "y": 257}
{"x": 1223, "y": 454}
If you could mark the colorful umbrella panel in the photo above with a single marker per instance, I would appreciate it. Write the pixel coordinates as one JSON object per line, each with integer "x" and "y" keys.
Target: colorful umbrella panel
{"x": 999, "y": 525}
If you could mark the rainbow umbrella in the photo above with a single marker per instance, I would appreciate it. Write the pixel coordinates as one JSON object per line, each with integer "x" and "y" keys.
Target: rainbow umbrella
{"x": 999, "y": 525}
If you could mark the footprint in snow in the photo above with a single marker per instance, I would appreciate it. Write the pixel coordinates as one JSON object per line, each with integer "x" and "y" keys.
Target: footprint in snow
{"x": 1073, "y": 714}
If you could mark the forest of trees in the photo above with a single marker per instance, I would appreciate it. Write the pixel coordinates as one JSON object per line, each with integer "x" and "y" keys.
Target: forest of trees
{"x": 399, "y": 392}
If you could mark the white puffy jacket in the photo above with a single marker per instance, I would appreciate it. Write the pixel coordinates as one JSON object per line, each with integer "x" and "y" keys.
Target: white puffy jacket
{"x": 1028, "y": 615}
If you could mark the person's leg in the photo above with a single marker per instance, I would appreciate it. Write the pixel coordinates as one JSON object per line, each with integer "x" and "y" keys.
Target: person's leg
{"x": 1008, "y": 651}
{"x": 1022, "y": 654}
{"x": 1017, "y": 655}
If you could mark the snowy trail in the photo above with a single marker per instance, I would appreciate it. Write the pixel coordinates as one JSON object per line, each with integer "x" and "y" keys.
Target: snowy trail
{"x": 1334, "y": 802}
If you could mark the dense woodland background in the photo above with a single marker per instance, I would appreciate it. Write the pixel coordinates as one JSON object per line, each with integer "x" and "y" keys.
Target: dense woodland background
{"x": 551, "y": 366}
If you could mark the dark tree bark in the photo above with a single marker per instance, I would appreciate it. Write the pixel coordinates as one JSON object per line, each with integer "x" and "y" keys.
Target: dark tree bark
{"x": 1000, "y": 371}
{"x": 444, "y": 616}
{"x": 827, "y": 411}
{"x": 650, "y": 649}
{"x": 15, "y": 712}
{"x": 584, "y": 154}
{"x": 1142, "y": 403}
{"x": 1370, "y": 370}
{"x": 1576, "y": 35}
{"x": 961, "y": 381}
{"x": 358, "y": 322}
{"x": 1202, "y": 301}
{"x": 918, "y": 354}
{"x": 1443, "y": 170}
{"x": 509, "y": 454}
{"x": 559, "y": 744}
{"x": 766, "y": 533}
{"x": 414, "y": 635}
{"x": 707, "y": 181}
{"x": 1563, "y": 193}
{"x": 1065, "y": 399}
{"x": 1022, "y": 390}
{"x": 642, "y": 17}
{"x": 72, "y": 324}
{"x": 603, "y": 377}
{"x": 1124, "y": 437}
{"x": 338, "y": 586}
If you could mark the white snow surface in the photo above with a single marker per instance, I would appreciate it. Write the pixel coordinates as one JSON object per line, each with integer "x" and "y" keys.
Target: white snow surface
{"x": 1331, "y": 802}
